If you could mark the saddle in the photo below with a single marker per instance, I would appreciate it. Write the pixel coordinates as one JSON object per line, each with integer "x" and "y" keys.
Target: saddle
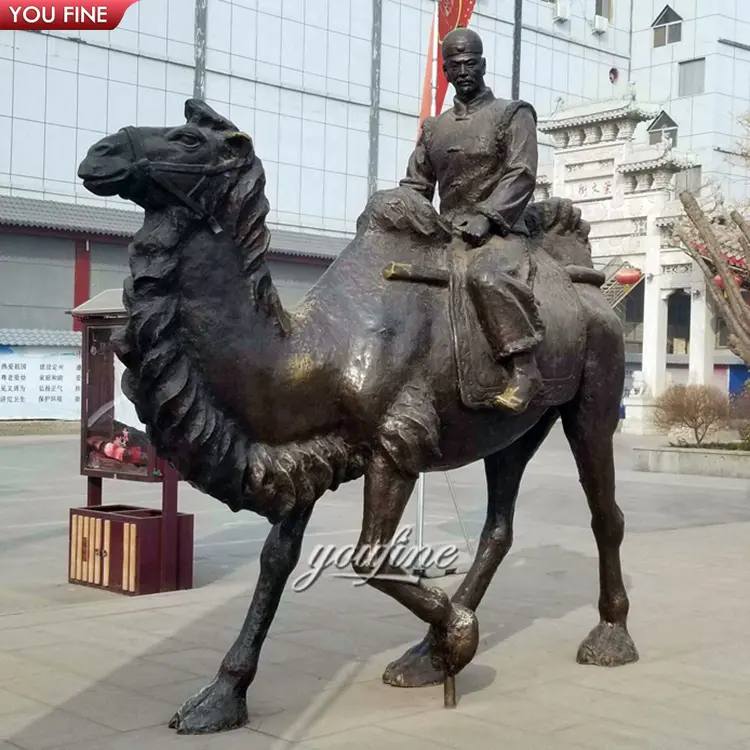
{"x": 559, "y": 357}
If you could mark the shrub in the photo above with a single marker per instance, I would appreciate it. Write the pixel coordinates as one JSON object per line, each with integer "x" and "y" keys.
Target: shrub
{"x": 699, "y": 409}
{"x": 740, "y": 415}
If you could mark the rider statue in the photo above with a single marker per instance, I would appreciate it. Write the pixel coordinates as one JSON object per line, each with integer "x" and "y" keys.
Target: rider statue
{"x": 482, "y": 155}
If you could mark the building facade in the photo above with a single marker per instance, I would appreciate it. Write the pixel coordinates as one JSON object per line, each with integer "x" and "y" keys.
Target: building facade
{"x": 625, "y": 188}
{"x": 330, "y": 92}
{"x": 692, "y": 58}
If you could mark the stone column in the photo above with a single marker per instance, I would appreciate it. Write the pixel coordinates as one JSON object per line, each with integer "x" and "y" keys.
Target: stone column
{"x": 575, "y": 137}
{"x": 626, "y": 130}
{"x": 662, "y": 178}
{"x": 592, "y": 134}
{"x": 560, "y": 137}
{"x": 609, "y": 131}
{"x": 654, "y": 364}
{"x": 702, "y": 339}
{"x": 643, "y": 181}
{"x": 639, "y": 407}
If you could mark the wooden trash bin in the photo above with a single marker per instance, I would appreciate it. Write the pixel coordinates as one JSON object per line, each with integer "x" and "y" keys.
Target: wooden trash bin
{"x": 125, "y": 549}
{"x": 118, "y": 548}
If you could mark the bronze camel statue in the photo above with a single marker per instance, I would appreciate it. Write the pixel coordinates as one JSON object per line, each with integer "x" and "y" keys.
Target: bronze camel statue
{"x": 267, "y": 409}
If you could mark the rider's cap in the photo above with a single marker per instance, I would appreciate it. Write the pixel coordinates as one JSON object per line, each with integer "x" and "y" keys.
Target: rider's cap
{"x": 462, "y": 41}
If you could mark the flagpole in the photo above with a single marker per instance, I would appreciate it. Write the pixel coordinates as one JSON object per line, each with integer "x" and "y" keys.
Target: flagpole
{"x": 433, "y": 112}
{"x": 435, "y": 43}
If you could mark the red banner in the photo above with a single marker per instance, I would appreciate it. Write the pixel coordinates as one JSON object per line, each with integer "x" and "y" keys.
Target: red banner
{"x": 61, "y": 15}
{"x": 451, "y": 15}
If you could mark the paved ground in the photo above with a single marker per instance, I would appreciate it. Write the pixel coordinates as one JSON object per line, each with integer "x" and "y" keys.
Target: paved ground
{"x": 89, "y": 670}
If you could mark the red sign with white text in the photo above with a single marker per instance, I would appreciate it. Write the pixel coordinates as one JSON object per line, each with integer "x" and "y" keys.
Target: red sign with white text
{"x": 61, "y": 15}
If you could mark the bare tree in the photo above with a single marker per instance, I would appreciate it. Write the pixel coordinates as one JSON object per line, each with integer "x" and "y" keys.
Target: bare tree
{"x": 717, "y": 238}
{"x": 719, "y": 242}
{"x": 701, "y": 409}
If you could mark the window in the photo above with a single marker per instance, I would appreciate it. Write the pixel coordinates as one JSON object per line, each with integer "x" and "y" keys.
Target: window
{"x": 667, "y": 28}
{"x": 604, "y": 8}
{"x": 688, "y": 179}
{"x": 692, "y": 77}
{"x": 661, "y": 128}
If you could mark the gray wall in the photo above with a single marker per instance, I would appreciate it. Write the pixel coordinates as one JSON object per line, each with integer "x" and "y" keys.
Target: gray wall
{"x": 296, "y": 75}
{"x": 36, "y": 282}
{"x": 37, "y": 277}
{"x": 109, "y": 266}
{"x": 293, "y": 280}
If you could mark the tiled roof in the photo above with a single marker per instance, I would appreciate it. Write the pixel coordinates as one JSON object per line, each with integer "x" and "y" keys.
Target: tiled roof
{"x": 671, "y": 162}
{"x": 69, "y": 217}
{"x": 115, "y": 222}
{"x": 609, "y": 110}
{"x": 108, "y": 302}
{"x": 38, "y": 337}
{"x": 306, "y": 245}
{"x": 651, "y": 157}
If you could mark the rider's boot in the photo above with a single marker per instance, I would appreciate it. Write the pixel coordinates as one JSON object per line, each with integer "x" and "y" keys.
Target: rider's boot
{"x": 524, "y": 384}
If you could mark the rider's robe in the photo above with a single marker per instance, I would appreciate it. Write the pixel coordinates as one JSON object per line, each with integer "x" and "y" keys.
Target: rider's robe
{"x": 482, "y": 157}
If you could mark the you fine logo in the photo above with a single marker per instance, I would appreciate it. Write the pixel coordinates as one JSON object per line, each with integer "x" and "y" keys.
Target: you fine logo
{"x": 61, "y": 15}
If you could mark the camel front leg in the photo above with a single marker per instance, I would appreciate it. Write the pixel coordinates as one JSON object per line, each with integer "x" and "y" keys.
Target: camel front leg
{"x": 222, "y": 704}
{"x": 453, "y": 627}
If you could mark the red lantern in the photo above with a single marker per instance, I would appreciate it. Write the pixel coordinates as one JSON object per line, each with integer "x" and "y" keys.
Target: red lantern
{"x": 720, "y": 282}
{"x": 628, "y": 276}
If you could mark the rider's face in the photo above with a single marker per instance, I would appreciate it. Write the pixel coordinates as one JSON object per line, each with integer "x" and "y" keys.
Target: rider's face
{"x": 466, "y": 73}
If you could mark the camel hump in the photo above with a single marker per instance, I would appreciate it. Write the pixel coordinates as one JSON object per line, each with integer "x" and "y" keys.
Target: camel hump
{"x": 557, "y": 215}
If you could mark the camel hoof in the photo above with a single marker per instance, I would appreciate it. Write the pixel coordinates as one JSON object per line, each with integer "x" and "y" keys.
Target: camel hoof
{"x": 457, "y": 642}
{"x": 414, "y": 669}
{"x": 218, "y": 707}
{"x": 608, "y": 645}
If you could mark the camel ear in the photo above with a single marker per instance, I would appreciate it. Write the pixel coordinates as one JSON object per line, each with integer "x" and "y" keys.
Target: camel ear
{"x": 197, "y": 112}
{"x": 240, "y": 144}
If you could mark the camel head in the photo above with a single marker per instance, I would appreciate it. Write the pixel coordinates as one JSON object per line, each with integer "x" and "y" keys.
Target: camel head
{"x": 191, "y": 165}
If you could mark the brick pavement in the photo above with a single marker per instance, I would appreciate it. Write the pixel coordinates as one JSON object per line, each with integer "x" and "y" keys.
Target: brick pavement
{"x": 88, "y": 670}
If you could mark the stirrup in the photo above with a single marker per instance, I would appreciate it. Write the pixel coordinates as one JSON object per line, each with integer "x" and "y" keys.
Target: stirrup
{"x": 509, "y": 399}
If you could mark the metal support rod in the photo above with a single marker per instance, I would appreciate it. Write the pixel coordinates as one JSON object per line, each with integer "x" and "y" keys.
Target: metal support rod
{"x": 199, "y": 49}
{"x": 515, "y": 86}
{"x": 435, "y": 53}
{"x": 469, "y": 545}
{"x": 375, "y": 69}
{"x": 420, "y": 511}
{"x": 449, "y": 691}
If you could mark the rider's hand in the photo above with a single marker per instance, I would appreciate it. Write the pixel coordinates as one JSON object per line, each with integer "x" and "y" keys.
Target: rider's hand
{"x": 476, "y": 230}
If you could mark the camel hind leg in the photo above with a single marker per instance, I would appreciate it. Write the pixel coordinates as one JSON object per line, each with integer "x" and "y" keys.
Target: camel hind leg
{"x": 590, "y": 422}
{"x": 504, "y": 471}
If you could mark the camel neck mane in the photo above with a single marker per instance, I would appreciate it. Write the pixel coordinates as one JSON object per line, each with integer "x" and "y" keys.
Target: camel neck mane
{"x": 187, "y": 423}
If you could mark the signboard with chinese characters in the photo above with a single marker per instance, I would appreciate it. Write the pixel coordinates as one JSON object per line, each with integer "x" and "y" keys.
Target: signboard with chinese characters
{"x": 590, "y": 189}
{"x": 39, "y": 383}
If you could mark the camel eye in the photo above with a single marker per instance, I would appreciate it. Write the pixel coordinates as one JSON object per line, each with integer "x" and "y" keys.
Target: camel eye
{"x": 191, "y": 140}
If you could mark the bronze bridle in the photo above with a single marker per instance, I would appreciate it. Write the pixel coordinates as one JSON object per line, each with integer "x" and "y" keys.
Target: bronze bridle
{"x": 155, "y": 171}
